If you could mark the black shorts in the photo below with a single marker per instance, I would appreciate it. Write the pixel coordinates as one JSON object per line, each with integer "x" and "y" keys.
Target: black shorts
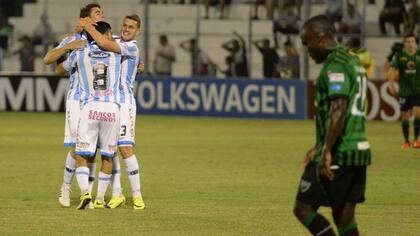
{"x": 349, "y": 185}
{"x": 407, "y": 103}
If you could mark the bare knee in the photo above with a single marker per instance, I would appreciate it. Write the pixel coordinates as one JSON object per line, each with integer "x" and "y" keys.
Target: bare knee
{"x": 302, "y": 210}
{"x": 126, "y": 152}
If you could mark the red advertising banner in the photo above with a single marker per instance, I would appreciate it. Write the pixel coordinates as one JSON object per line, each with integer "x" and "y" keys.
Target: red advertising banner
{"x": 381, "y": 104}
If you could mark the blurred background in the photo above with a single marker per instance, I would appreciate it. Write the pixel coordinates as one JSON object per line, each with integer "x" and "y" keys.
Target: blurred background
{"x": 217, "y": 38}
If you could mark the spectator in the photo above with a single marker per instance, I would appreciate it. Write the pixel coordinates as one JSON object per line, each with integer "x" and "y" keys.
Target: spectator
{"x": 201, "y": 64}
{"x": 43, "y": 34}
{"x": 289, "y": 66}
{"x": 221, "y": 3}
{"x": 26, "y": 54}
{"x": 5, "y": 33}
{"x": 238, "y": 56}
{"x": 287, "y": 23}
{"x": 413, "y": 17}
{"x": 393, "y": 12}
{"x": 334, "y": 10}
{"x": 365, "y": 57}
{"x": 351, "y": 21}
{"x": 270, "y": 57}
{"x": 165, "y": 56}
{"x": 270, "y": 5}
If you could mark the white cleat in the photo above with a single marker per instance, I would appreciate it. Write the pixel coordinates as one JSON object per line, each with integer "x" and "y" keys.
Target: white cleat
{"x": 64, "y": 197}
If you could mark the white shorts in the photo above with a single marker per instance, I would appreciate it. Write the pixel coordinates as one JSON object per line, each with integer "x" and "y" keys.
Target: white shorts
{"x": 72, "y": 119}
{"x": 98, "y": 127}
{"x": 127, "y": 125}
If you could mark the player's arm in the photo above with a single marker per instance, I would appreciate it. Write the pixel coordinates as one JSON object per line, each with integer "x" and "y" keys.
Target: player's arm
{"x": 336, "y": 121}
{"x": 66, "y": 66}
{"x": 393, "y": 75}
{"x": 55, "y": 53}
{"x": 100, "y": 39}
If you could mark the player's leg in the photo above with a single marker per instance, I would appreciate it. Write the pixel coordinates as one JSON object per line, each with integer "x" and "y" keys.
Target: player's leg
{"x": 70, "y": 136}
{"x": 416, "y": 124}
{"x": 308, "y": 199}
{"x": 314, "y": 222}
{"x": 87, "y": 137}
{"x": 405, "y": 108}
{"x": 344, "y": 218}
{"x": 108, "y": 135}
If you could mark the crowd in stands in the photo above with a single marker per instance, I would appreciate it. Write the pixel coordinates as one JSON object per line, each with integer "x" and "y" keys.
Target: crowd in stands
{"x": 279, "y": 56}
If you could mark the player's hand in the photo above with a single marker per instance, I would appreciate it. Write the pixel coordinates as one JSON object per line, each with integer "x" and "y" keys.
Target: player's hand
{"x": 140, "y": 68}
{"x": 325, "y": 165}
{"x": 83, "y": 22}
{"x": 308, "y": 158}
{"x": 76, "y": 44}
{"x": 392, "y": 89}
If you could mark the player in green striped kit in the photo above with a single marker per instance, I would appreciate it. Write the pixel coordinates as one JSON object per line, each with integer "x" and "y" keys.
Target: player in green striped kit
{"x": 335, "y": 168}
{"x": 404, "y": 66}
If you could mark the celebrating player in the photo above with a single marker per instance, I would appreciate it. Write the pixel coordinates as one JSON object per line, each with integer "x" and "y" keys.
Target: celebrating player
{"x": 127, "y": 46}
{"x": 99, "y": 81}
{"x": 335, "y": 168}
{"x": 78, "y": 40}
{"x": 404, "y": 65}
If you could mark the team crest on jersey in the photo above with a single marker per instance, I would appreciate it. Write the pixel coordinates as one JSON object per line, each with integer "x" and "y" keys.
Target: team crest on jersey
{"x": 99, "y": 54}
{"x": 304, "y": 186}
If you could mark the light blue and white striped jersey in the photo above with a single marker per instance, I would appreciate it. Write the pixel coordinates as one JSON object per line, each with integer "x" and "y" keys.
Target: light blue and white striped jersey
{"x": 73, "y": 92}
{"x": 98, "y": 73}
{"x": 130, "y": 58}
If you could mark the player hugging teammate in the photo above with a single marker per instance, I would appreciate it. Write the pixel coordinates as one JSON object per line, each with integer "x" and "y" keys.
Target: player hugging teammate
{"x": 102, "y": 72}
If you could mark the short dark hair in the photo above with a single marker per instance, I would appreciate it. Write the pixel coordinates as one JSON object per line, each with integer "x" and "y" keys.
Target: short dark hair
{"x": 100, "y": 26}
{"x": 410, "y": 35}
{"x": 85, "y": 11}
{"x": 320, "y": 24}
{"x": 135, "y": 18}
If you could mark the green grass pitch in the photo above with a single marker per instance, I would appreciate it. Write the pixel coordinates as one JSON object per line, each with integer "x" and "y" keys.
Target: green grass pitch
{"x": 200, "y": 176}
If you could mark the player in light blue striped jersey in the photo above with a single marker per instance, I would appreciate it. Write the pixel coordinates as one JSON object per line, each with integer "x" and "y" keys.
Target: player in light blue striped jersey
{"x": 127, "y": 46}
{"x": 68, "y": 44}
{"x": 99, "y": 81}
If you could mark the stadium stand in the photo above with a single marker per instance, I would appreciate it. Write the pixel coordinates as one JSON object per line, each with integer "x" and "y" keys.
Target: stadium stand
{"x": 178, "y": 21}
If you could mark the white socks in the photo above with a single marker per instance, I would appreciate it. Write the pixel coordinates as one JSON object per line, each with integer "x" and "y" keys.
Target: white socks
{"x": 103, "y": 182}
{"x": 82, "y": 176}
{"x": 116, "y": 177}
{"x": 92, "y": 171}
{"x": 69, "y": 169}
{"x": 133, "y": 172}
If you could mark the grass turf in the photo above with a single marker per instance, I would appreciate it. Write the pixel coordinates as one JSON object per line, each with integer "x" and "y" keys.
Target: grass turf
{"x": 200, "y": 176}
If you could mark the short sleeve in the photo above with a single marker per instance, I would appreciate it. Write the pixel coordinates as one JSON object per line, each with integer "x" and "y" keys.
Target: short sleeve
{"x": 66, "y": 41}
{"x": 338, "y": 81}
{"x": 129, "y": 49}
{"x": 70, "y": 62}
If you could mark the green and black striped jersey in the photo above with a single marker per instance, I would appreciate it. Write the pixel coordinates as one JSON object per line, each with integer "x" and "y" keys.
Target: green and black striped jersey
{"x": 343, "y": 76}
{"x": 407, "y": 66}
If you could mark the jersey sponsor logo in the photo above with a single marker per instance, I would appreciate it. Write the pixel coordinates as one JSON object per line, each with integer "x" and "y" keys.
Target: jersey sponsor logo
{"x": 336, "y": 77}
{"x": 363, "y": 145}
{"x": 304, "y": 186}
{"x": 336, "y": 87}
{"x": 334, "y": 167}
{"x": 83, "y": 145}
{"x": 99, "y": 54}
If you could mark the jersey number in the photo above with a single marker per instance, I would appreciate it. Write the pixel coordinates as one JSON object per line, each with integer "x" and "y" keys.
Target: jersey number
{"x": 123, "y": 130}
{"x": 358, "y": 106}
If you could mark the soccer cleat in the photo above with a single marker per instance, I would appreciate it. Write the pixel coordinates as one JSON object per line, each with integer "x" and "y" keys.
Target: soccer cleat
{"x": 416, "y": 144}
{"x": 64, "y": 197}
{"x": 116, "y": 202}
{"x": 406, "y": 145}
{"x": 90, "y": 205}
{"x": 98, "y": 204}
{"x": 84, "y": 201}
{"x": 138, "y": 203}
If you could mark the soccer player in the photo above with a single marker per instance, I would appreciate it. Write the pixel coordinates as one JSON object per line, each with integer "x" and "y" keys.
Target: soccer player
{"x": 335, "y": 168}
{"x": 127, "y": 46}
{"x": 99, "y": 81}
{"x": 69, "y": 44}
{"x": 404, "y": 65}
